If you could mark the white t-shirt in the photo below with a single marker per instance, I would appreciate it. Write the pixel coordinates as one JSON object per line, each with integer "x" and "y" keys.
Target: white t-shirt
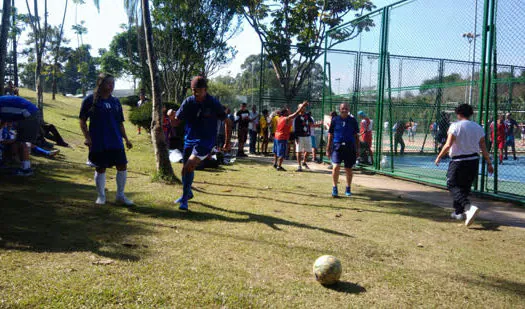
{"x": 468, "y": 134}
{"x": 253, "y": 123}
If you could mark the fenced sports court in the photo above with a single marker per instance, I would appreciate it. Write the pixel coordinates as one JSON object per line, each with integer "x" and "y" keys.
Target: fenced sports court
{"x": 415, "y": 62}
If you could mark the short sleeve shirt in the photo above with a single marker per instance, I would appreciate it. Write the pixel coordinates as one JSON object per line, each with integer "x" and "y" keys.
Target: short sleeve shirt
{"x": 105, "y": 117}
{"x": 302, "y": 125}
{"x": 468, "y": 134}
{"x": 244, "y": 119}
{"x": 344, "y": 129}
{"x": 201, "y": 120}
{"x": 511, "y": 126}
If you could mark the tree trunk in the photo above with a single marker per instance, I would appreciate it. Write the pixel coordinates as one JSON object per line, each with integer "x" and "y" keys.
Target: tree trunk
{"x": 57, "y": 52}
{"x": 15, "y": 55}
{"x": 164, "y": 169}
{"x": 3, "y": 40}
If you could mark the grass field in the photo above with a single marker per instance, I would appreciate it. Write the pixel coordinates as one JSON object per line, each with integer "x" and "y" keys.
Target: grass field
{"x": 250, "y": 240}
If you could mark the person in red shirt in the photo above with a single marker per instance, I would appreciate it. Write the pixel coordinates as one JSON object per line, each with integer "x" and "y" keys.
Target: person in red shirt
{"x": 282, "y": 134}
{"x": 365, "y": 133}
{"x": 501, "y": 138}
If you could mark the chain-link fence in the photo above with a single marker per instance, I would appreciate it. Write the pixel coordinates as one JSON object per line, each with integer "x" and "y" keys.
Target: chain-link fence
{"x": 420, "y": 60}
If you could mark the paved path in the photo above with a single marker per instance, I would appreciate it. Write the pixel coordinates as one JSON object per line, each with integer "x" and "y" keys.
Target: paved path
{"x": 503, "y": 213}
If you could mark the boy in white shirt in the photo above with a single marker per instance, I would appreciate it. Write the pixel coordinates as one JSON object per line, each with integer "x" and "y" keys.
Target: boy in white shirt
{"x": 464, "y": 142}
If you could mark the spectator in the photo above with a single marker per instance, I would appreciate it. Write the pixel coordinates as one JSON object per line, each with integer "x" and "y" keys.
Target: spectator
{"x": 252, "y": 128}
{"x": 7, "y": 140}
{"x": 243, "y": 117}
{"x": 303, "y": 141}
{"x": 312, "y": 137}
{"x": 10, "y": 89}
{"x": 263, "y": 125}
{"x": 142, "y": 100}
{"x": 175, "y": 139}
{"x": 13, "y": 108}
{"x": 443, "y": 125}
{"x": 365, "y": 133}
{"x": 511, "y": 126}
{"x": 500, "y": 136}
{"x": 50, "y": 132}
{"x": 273, "y": 125}
{"x": 522, "y": 125}
{"x": 282, "y": 135}
{"x": 399, "y": 128}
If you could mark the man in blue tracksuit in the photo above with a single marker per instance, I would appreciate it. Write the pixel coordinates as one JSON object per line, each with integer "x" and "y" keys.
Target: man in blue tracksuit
{"x": 200, "y": 113}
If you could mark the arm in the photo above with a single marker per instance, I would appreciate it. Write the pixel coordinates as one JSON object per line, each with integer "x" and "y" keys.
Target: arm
{"x": 450, "y": 140}
{"x": 486, "y": 156}
{"x": 85, "y": 131}
{"x": 329, "y": 143}
{"x": 227, "y": 133}
{"x": 300, "y": 109}
{"x": 123, "y": 132}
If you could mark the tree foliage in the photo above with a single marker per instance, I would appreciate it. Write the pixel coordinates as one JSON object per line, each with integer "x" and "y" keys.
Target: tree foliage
{"x": 293, "y": 33}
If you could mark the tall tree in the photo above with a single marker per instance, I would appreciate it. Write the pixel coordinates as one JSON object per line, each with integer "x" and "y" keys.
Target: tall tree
{"x": 164, "y": 168}
{"x": 4, "y": 31}
{"x": 80, "y": 30}
{"x": 57, "y": 51}
{"x": 303, "y": 23}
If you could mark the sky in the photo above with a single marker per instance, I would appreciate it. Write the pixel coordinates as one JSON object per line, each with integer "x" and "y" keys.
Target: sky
{"x": 420, "y": 28}
{"x": 103, "y": 25}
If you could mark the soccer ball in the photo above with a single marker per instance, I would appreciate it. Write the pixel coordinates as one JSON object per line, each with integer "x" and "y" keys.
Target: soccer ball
{"x": 327, "y": 269}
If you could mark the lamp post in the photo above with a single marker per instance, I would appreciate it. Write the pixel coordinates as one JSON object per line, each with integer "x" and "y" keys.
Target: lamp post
{"x": 338, "y": 80}
{"x": 471, "y": 37}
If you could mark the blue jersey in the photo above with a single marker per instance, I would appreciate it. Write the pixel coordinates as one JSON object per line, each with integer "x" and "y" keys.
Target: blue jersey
{"x": 13, "y": 108}
{"x": 105, "y": 118}
{"x": 201, "y": 120}
{"x": 344, "y": 130}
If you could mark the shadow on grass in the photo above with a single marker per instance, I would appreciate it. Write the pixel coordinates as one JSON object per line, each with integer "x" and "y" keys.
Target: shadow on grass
{"x": 50, "y": 213}
{"x": 346, "y": 287}
{"x": 270, "y": 221}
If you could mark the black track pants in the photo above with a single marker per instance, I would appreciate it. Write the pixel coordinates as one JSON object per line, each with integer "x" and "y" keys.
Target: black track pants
{"x": 460, "y": 177}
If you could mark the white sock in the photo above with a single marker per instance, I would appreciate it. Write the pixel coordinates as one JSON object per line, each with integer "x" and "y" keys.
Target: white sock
{"x": 121, "y": 182}
{"x": 26, "y": 164}
{"x": 100, "y": 182}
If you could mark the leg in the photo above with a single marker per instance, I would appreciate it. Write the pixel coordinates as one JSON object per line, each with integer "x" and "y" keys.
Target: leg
{"x": 122, "y": 176}
{"x": 298, "y": 149}
{"x": 100, "y": 184}
{"x": 349, "y": 176}
{"x": 335, "y": 174}
{"x": 188, "y": 172}
{"x": 402, "y": 142}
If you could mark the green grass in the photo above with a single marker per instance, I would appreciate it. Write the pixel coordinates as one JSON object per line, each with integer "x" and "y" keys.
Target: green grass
{"x": 249, "y": 241}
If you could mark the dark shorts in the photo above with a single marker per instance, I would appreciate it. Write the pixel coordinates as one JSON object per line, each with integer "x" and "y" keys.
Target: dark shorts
{"x": 279, "y": 148}
{"x": 199, "y": 151}
{"x": 344, "y": 153}
{"x": 27, "y": 129}
{"x": 243, "y": 135}
{"x": 108, "y": 158}
{"x": 510, "y": 140}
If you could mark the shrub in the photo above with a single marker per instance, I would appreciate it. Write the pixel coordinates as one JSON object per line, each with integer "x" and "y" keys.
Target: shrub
{"x": 141, "y": 116}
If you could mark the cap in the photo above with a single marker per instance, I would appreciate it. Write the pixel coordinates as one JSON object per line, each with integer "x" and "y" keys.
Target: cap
{"x": 361, "y": 113}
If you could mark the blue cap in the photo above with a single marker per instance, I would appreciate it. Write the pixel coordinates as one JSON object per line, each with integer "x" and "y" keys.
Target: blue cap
{"x": 361, "y": 113}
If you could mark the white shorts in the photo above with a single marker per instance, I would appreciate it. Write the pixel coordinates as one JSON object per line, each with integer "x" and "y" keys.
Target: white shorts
{"x": 303, "y": 144}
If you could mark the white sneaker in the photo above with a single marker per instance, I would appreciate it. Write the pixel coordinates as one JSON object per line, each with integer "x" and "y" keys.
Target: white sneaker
{"x": 471, "y": 214}
{"x": 124, "y": 200}
{"x": 456, "y": 216}
{"x": 101, "y": 200}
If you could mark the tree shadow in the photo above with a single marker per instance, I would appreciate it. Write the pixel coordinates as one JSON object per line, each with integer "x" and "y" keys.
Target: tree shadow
{"x": 246, "y": 217}
{"x": 346, "y": 287}
{"x": 50, "y": 213}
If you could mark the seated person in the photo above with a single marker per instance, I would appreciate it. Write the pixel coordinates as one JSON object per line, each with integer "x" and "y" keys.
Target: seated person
{"x": 7, "y": 140}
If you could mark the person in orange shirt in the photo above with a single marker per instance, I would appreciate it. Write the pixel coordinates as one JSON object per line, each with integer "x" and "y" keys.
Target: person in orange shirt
{"x": 282, "y": 135}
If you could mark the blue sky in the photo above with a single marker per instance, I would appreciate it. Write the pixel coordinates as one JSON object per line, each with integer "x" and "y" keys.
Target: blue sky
{"x": 428, "y": 28}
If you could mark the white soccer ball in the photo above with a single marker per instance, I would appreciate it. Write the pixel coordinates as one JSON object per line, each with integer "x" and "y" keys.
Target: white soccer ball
{"x": 327, "y": 270}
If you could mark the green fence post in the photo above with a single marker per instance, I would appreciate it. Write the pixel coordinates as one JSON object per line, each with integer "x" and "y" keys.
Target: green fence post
{"x": 322, "y": 145}
{"x": 390, "y": 115}
{"x": 483, "y": 112}
{"x": 260, "y": 90}
{"x": 380, "y": 89}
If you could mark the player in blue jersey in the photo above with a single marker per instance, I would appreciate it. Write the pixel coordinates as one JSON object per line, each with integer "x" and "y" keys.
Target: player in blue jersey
{"x": 25, "y": 113}
{"x": 104, "y": 137}
{"x": 343, "y": 146}
{"x": 200, "y": 113}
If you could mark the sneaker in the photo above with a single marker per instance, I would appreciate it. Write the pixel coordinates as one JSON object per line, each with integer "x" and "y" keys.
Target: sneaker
{"x": 275, "y": 166}
{"x": 306, "y": 166}
{"x": 101, "y": 200}
{"x": 505, "y": 158}
{"x": 471, "y": 214}
{"x": 180, "y": 198}
{"x": 299, "y": 169}
{"x": 456, "y": 216}
{"x": 281, "y": 169}
{"x": 183, "y": 205}
{"x": 334, "y": 192}
{"x": 54, "y": 152}
{"x": 348, "y": 192}
{"x": 24, "y": 172}
{"x": 123, "y": 200}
